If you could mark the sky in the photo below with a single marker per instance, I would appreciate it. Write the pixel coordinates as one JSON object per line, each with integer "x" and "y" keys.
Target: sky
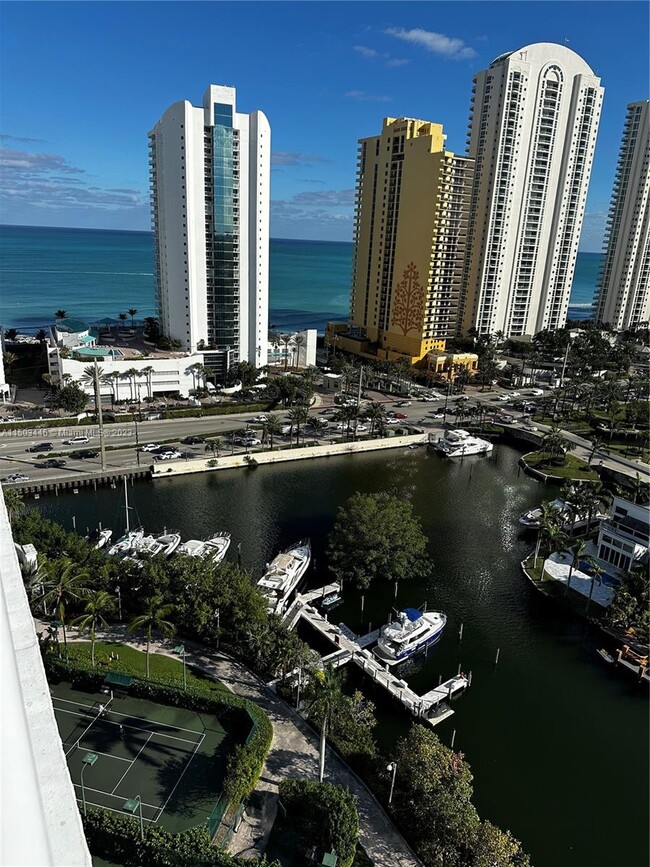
{"x": 83, "y": 82}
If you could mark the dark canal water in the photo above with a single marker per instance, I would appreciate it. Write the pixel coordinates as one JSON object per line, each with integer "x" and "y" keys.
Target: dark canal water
{"x": 557, "y": 741}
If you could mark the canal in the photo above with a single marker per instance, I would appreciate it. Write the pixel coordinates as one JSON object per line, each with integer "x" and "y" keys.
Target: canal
{"x": 557, "y": 741}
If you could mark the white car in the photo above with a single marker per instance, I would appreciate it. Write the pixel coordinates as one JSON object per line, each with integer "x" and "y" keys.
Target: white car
{"x": 429, "y": 398}
{"x": 403, "y": 403}
{"x": 261, "y": 419}
{"x": 73, "y": 441}
{"x": 167, "y": 456}
{"x": 529, "y": 427}
{"x": 537, "y": 392}
{"x": 515, "y": 394}
{"x": 437, "y": 415}
{"x": 150, "y": 447}
{"x": 392, "y": 421}
{"x": 504, "y": 398}
{"x": 253, "y": 441}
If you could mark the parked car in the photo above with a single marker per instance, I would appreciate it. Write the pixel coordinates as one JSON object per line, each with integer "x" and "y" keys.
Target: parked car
{"x": 330, "y": 410}
{"x": 252, "y": 441}
{"x": 41, "y": 447}
{"x": 515, "y": 394}
{"x": 437, "y": 415}
{"x": 77, "y": 440}
{"x": 537, "y": 392}
{"x": 400, "y": 415}
{"x": 261, "y": 419}
{"x": 403, "y": 403}
{"x": 530, "y": 427}
{"x": 16, "y": 477}
{"x": 391, "y": 421}
{"x": 150, "y": 447}
{"x": 504, "y": 398}
{"x": 167, "y": 456}
{"x": 193, "y": 441}
{"x": 165, "y": 448}
{"x": 49, "y": 463}
{"x": 429, "y": 398}
{"x": 82, "y": 454}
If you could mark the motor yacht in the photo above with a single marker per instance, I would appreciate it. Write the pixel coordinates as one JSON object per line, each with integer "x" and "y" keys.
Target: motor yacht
{"x": 460, "y": 443}
{"x": 411, "y": 633}
{"x": 283, "y": 575}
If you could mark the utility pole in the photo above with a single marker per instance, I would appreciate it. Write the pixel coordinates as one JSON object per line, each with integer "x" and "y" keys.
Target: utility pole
{"x": 100, "y": 418}
{"x": 566, "y": 357}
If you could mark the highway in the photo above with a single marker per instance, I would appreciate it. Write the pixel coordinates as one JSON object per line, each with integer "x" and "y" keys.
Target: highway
{"x": 120, "y": 438}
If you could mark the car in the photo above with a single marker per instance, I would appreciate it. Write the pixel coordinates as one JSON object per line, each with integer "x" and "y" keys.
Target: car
{"x": 530, "y": 427}
{"x": 165, "y": 448}
{"x": 150, "y": 447}
{"x": 167, "y": 456}
{"x": 505, "y": 419}
{"x": 437, "y": 415}
{"x": 461, "y": 398}
{"x": 77, "y": 440}
{"x": 330, "y": 410}
{"x": 403, "y": 403}
{"x": 193, "y": 441}
{"x": 504, "y": 398}
{"x": 399, "y": 415}
{"x": 361, "y": 427}
{"x": 41, "y": 447}
{"x": 50, "y": 462}
{"x": 16, "y": 477}
{"x": 429, "y": 398}
{"x": 261, "y": 419}
{"x": 83, "y": 454}
{"x": 252, "y": 441}
{"x": 515, "y": 394}
{"x": 391, "y": 421}
{"x": 537, "y": 392}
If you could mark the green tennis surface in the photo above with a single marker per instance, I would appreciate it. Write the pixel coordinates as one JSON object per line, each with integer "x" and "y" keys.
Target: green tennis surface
{"x": 174, "y": 759}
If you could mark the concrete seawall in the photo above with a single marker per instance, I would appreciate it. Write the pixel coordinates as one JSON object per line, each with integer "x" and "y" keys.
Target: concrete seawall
{"x": 229, "y": 462}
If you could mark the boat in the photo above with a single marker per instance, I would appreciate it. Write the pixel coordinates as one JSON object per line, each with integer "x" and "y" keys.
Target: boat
{"x": 169, "y": 542}
{"x": 411, "y": 633}
{"x": 214, "y": 548}
{"x": 283, "y": 575}
{"x": 606, "y": 656}
{"x": 460, "y": 443}
{"x": 126, "y": 543}
{"x": 330, "y": 601}
{"x": 531, "y": 519}
{"x": 99, "y": 538}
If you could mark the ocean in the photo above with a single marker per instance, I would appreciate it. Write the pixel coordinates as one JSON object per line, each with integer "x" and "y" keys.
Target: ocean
{"x": 94, "y": 273}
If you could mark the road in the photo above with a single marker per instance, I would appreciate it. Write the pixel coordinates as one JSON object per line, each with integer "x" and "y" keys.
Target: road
{"x": 14, "y": 457}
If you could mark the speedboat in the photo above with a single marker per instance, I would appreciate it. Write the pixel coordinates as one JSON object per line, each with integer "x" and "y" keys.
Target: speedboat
{"x": 412, "y": 632}
{"x": 169, "y": 542}
{"x": 331, "y": 601}
{"x": 214, "y": 548}
{"x": 460, "y": 443}
{"x": 283, "y": 575}
{"x": 532, "y": 518}
{"x": 99, "y": 538}
{"x": 126, "y": 543}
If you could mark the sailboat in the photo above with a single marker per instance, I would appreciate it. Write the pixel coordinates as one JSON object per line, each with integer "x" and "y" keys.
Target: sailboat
{"x": 126, "y": 543}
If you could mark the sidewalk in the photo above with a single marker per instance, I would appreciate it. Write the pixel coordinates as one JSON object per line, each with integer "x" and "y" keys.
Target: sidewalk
{"x": 293, "y": 753}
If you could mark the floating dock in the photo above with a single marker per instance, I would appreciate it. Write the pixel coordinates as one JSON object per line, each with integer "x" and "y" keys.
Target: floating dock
{"x": 431, "y": 708}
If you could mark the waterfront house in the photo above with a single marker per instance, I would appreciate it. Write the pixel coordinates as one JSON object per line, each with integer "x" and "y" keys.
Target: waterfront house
{"x": 624, "y": 537}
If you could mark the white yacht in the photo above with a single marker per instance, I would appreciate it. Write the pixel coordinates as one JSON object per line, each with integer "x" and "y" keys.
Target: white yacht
{"x": 459, "y": 443}
{"x": 570, "y": 520}
{"x": 214, "y": 548}
{"x": 126, "y": 543}
{"x": 283, "y": 575}
{"x": 531, "y": 518}
{"x": 99, "y": 538}
{"x": 169, "y": 542}
{"x": 410, "y": 633}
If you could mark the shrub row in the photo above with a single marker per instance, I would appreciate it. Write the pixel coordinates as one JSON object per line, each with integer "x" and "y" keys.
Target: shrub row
{"x": 197, "y": 412}
{"x": 246, "y": 761}
{"x": 117, "y": 838}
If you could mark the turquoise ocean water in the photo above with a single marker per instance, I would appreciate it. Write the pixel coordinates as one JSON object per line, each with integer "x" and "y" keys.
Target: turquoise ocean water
{"x": 95, "y": 273}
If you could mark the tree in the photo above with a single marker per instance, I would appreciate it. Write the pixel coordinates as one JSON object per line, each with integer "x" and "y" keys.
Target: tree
{"x": 297, "y": 342}
{"x": 89, "y": 378}
{"x": 324, "y": 697}
{"x": 148, "y": 372}
{"x": 285, "y": 340}
{"x": 72, "y": 398}
{"x": 41, "y": 335}
{"x": 13, "y": 502}
{"x": 214, "y": 446}
{"x": 122, "y": 317}
{"x": 273, "y": 426}
{"x": 578, "y": 552}
{"x": 493, "y": 847}
{"x": 61, "y": 314}
{"x": 377, "y": 535}
{"x": 132, "y": 312}
{"x": 375, "y": 412}
{"x": 98, "y": 604}
{"x": 152, "y": 620}
{"x": 555, "y": 445}
{"x": 298, "y": 416}
{"x": 11, "y": 334}
{"x": 549, "y": 521}
{"x": 631, "y": 603}
{"x": 64, "y": 583}
{"x": 596, "y": 571}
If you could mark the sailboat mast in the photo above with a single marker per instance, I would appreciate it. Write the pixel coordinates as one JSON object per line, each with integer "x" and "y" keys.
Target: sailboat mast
{"x": 126, "y": 504}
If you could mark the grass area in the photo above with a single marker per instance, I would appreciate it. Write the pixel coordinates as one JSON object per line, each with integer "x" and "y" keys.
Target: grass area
{"x": 163, "y": 669}
{"x": 627, "y": 450}
{"x": 570, "y": 468}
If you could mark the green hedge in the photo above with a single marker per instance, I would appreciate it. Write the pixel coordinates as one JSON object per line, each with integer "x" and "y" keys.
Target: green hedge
{"x": 198, "y": 412}
{"x": 245, "y": 763}
{"x": 117, "y": 838}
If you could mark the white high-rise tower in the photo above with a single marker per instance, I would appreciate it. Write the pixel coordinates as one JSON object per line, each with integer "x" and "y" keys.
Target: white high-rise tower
{"x": 624, "y": 285}
{"x": 210, "y": 186}
{"x": 533, "y": 127}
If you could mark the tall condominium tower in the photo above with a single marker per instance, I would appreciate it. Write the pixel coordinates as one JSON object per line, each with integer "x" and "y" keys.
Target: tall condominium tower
{"x": 533, "y": 127}
{"x": 410, "y": 231}
{"x": 624, "y": 285}
{"x": 210, "y": 179}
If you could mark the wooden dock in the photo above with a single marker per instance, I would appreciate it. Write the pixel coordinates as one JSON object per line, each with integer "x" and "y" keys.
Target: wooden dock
{"x": 432, "y": 707}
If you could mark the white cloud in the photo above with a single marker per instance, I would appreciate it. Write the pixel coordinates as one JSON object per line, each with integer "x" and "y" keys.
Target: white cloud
{"x": 436, "y": 43}
{"x": 364, "y": 51}
{"x": 363, "y": 96}
{"x": 383, "y": 57}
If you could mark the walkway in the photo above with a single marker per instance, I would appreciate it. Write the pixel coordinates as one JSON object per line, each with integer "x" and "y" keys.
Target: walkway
{"x": 293, "y": 753}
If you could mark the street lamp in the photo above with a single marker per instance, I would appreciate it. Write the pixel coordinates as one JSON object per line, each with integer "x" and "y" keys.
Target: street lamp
{"x": 180, "y": 651}
{"x": 217, "y": 614}
{"x": 131, "y": 806}
{"x": 88, "y": 759}
{"x": 119, "y": 602}
{"x": 393, "y": 768}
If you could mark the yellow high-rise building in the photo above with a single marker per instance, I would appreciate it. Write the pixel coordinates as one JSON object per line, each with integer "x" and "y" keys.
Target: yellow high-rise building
{"x": 410, "y": 234}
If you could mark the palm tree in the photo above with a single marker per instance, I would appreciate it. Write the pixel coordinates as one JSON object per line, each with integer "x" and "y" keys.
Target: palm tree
{"x": 132, "y": 312}
{"x": 273, "y": 426}
{"x": 132, "y": 375}
{"x": 214, "y": 446}
{"x": 298, "y": 415}
{"x": 122, "y": 317}
{"x": 596, "y": 572}
{"x": 153, "y": 619}
{"x": 9, "y": 358}
{"x": 11, "y": 334}
{"x": 285, "y": 340}
{"x": 63, "y": 583}
{"x": 41, "y": 335}
{"x": 148, "y": 372}
{"x": 61, "y": 314}
{"x": 577, "y": 554}
{"x": 297, "y": 342}
{"x": 13, "y": 502}
{"x": 89, "y": 378}
{"x": 596, "y": 443}
{"x": 557, "y": 540}
{"x": 325, "y": 699}
{"x": 554, "y": 444}
{"x": 99, "y": 603}
{"x": 375, "y": 412}
{"x": 549, "y": 521}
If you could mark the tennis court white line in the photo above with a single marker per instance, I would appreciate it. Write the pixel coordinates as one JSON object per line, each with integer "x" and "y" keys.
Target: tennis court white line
{"x": 132, "y": 763}
{"x": 103, "y": 709}
{"x": 137, "y": 728}
{"x": 194, "y": 751}
{"x": 99, "y": 753}
{"x": 142, "y": 719}
{"x": 109, "y": 795}
{"x": 119, "y": 812}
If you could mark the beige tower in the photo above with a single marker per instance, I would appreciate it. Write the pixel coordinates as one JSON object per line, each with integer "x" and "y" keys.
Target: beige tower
{"x": 410, "y": 232}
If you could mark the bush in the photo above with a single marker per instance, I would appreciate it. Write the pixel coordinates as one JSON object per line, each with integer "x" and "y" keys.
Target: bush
{"x": 324, "y": 815}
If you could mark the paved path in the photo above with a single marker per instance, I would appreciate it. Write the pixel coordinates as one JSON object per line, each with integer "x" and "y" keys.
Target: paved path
{"x": 293, "y": 753}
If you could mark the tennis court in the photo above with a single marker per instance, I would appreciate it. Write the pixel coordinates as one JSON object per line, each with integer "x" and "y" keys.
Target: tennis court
{"x": 172, "y": 758}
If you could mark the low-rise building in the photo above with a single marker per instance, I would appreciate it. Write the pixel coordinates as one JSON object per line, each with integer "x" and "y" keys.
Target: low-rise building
{"x": 623, "y": 538}
{"x": 447, "y": 364}
{"x": 293, "y": 350}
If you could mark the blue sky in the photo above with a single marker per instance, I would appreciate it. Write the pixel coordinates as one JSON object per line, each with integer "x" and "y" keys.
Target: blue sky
{"x": 83, "y": 82}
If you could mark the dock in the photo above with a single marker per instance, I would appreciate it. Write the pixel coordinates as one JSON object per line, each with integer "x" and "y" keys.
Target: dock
{"x": 431, "y": 708}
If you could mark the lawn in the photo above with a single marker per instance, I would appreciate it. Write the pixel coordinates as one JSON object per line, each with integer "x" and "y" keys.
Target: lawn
{"x": 571, "y": 467}
{"x": 163, "y": 669}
